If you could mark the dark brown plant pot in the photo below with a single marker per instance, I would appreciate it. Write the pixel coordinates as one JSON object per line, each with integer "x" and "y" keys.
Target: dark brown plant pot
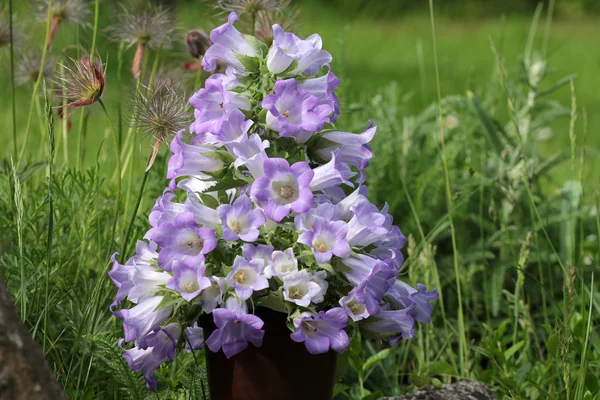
{"x": 280, "y": 369}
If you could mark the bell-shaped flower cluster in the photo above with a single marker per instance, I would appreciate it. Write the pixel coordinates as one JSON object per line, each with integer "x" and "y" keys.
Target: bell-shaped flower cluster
{"x": 266, "y": 207}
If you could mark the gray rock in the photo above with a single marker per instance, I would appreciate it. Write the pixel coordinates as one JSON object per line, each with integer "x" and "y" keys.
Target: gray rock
{"x": 464, "y": 390}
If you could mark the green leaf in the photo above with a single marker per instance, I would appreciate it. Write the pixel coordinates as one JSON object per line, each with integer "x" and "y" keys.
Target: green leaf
{"x": 167, "y": 301}
{"x": 522, "y": 372}
{"x": 591, "y": 381}
{"x": 374, "y": 396}
{"x": 209, "y": 201}
{"x": 375, "y": 359}
{"x": 252, "y": 64}
{"x": 259, "y": 46}
{"x": 560, "y": 83}
{"x": 492, "y": 128}
{"x": 327, "y": 267}
{"x": 228, "y": 185}
{"x": 339, "y": 388}
{"x": 355, "y": 362}
{"x": 274, "y": 302}
{"x": 513, "y": 349}
{"x": 441, "y": 368}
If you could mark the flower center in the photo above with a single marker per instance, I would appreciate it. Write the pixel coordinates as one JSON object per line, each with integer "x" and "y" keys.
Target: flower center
{"x": 308, "y": 327}
{"x": 286, "y": 114}
{"x": 240, "y": 277}
{"x": 295, "y": 293}
{"x": 355, "y": 308}
{"x": 221, "y": 105}
{"x": 284, "y": 49}
{"x": 190, "y": 287}
{"x": 195, "y": 243}
{"x": 234, "y": 225}
{"x": 286, "y": 192}
{"x": 320, "y": 245}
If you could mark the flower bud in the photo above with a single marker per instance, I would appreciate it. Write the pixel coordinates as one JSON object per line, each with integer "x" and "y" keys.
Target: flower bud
{"x": 197, "y": 43}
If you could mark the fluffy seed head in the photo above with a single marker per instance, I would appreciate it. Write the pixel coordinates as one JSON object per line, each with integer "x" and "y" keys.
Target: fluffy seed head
{"x": 252, "y": 7}
{"x": 287, "y": 19}
{"x": 150, "y": 26}
{"x": 27, "y": 68}
{"x": 65, "y": 11}
{"x": 82, "y": 83}
{"x": 162, "y": 108}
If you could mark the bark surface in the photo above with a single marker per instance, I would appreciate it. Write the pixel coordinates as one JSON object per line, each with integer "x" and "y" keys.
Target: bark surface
{"x": 23, "y": 370}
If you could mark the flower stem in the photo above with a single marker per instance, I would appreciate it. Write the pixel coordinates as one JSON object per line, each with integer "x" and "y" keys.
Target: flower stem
{"x": 12, "y": 77}
{"x": 95, "y": 34}
{"x": 118, "y": 154}
{"x": 36, "y": 86}
{"x": 464, "y": 353}
{"x": 135, "y": 210}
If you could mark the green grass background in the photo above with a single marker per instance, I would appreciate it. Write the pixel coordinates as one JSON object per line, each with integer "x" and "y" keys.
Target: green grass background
{"x": 369, "y": 52}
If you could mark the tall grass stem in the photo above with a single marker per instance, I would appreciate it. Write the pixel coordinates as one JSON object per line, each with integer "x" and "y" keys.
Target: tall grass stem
{"x": 464, "y": 354}
{"x": 12, "y": 77}
{"x": 36, "y": 86}
{"x": 118, "y": 156}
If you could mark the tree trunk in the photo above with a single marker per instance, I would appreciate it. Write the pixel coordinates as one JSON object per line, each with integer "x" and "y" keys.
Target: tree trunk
{"x": 24, "y": 374}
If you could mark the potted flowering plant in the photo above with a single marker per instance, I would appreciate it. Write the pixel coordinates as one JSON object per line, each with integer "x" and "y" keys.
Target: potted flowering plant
{"x": 264, "y": 249}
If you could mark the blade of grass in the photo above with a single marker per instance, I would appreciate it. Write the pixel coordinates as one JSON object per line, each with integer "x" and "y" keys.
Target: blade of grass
{"x": 547, "y": 28}
{"x": 584, "y": 362}
{"x": 36, "y": 86}
{"x": 12, "y": 77}
{"x": 18, "y": 199}
{"x": 50, "y": 161}
{"x": 464, "y": 353}
{"x": 118, "y": 156}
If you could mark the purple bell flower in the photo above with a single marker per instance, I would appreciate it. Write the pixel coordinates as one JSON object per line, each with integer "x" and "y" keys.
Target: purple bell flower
{"x": 212, "y": 296}
{"x": 333, "y": 173}
{"x": 234, "y": 330}
{"x": 372, "y": 279}
{"x": 188, "y": 280}
{"x": 212, "y": 103}
{"x": 283, "y": 188}
{"x": 234, "y": 129}
{"x": 194, "y": 338}
{"x": 259, "y": 252}
{"x": 282, "y": 263}
{"x": 189, "y": 159}
{"x": 144, "y": 318}
{"x": 246, "y": 277}
{"x": 251, "y": 153}
{"x": 326, "y": 239}
{"x": 295, "y": 112}
{"x": 183, "y": 239}
{"x": 146, "y": 280}
{"x": 240, "y": 221}
{"x": 299, "y": 288}
{"x": 395, "y": 323}
{"x": 403, "y": 295}
{"x": 355, "y": 309}
{"x": 322, "y": 88}
{"x": 227, "y": 42}
{"x": 366, "y": 226}
{"x": 353, "y": 148}
{"x": 288, "y": 48}
{"x": 322, "y": 331}
{"x": 203, "y": 215}
{"x": 161, "y": 347}
{"x": 304, "y": 221}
